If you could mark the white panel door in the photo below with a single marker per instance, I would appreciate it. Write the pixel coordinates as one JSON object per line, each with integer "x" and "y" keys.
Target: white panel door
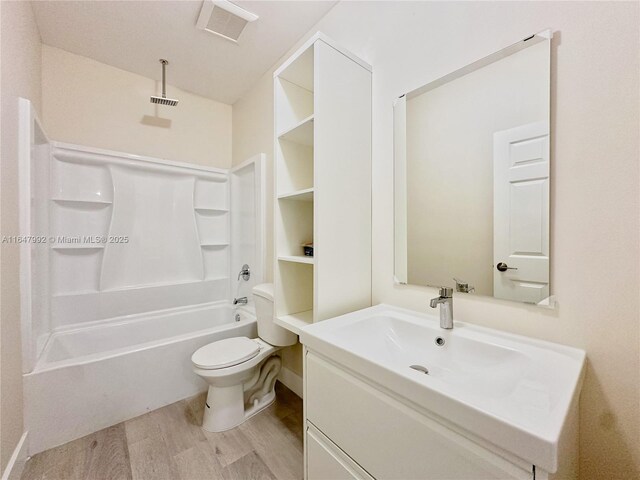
{"x": 521, "y": 213}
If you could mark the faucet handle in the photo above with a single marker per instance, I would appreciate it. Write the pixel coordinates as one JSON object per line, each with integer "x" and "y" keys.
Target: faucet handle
{"x": 446, "y": 292}
{"x": 245, "y": 273}
{"x": 464, "y": 287}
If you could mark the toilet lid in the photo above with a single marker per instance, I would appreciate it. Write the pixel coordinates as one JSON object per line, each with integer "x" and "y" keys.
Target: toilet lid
{"x": 225, "y": 353}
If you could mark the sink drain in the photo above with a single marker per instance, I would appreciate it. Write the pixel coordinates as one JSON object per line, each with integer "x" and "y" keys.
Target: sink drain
{"x": 420, "y": 368}
{"x": 440, "y": 341}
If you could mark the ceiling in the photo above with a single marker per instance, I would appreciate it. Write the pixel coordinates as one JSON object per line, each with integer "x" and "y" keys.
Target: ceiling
{"x": 133, "y": 35}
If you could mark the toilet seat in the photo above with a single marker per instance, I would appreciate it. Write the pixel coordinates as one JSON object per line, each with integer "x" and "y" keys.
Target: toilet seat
{"x": 225, "y": 353}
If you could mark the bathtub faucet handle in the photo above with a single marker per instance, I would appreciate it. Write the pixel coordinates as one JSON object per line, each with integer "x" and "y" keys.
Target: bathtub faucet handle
{"x": 245, "y": 273}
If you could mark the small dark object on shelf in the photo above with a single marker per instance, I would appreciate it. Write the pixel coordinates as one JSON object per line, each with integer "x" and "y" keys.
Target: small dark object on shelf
{"x": 308, "y": 249}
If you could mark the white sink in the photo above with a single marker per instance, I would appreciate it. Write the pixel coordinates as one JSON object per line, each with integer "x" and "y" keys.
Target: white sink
{"x": 513, "y": 391}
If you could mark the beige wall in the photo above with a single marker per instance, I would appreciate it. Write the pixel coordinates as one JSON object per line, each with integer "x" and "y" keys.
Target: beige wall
{"x": 450, "y": 165}
{"x": 20, "y": 54}
{"x": 249, "y": 114}
{"x": 89, "y": 103}
{"x": 596, "y": 188}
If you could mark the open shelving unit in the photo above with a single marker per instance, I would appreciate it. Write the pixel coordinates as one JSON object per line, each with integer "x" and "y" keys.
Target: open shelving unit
{"x": 322, "y": 98}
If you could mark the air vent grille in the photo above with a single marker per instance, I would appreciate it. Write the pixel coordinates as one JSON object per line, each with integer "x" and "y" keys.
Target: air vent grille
{"x": 224, "y": 18}
{"x": 226, "y": 24}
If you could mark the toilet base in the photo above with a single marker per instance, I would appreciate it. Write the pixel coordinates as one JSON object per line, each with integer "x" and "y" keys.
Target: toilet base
{"x": 225, "y": 406}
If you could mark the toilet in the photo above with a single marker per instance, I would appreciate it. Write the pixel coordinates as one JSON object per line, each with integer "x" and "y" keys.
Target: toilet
{"x": 241, "y": 372}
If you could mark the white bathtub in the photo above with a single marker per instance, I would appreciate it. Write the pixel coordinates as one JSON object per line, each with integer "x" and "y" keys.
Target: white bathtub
{"x": 93, "y": 377}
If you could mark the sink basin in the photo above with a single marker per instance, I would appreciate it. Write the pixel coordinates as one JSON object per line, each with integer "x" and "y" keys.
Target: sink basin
{"x": 513, "y": 391}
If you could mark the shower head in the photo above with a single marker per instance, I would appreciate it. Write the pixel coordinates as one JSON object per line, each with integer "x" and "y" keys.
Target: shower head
{"x": 171, "y": 102}
{"x": 163, "y": 100}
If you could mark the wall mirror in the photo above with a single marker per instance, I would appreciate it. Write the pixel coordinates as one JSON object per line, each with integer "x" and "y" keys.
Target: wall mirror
{"x": 472, "y": 177}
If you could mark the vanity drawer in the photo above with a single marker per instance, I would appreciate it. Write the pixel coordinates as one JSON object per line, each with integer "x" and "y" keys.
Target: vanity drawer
{"x": 388, "y": 439}
{"x": 325, "y": 461}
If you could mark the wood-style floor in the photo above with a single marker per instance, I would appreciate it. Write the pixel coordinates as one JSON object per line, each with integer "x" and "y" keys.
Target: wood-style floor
{"x": 168, "y": 444}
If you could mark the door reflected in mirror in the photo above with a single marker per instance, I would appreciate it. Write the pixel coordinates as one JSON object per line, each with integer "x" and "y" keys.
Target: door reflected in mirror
{"x": 472, "y": 177}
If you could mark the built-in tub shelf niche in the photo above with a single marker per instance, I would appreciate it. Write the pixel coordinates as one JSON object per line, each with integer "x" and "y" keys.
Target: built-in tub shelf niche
{"x": 210, "y": 201}
{"x": 130, "y": 232}
{"x": 323, "y": 184}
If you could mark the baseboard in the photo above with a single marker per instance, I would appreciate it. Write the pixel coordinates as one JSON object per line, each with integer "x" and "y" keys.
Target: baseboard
{"x": 291, "y": 380}
{"x": 17, "y": 461}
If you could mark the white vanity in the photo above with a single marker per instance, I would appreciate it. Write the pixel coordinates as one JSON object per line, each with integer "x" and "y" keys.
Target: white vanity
{"x": 390, "y": 395}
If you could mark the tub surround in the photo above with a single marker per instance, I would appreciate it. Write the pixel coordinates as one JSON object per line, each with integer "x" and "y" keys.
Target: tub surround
{"x": 121, "y": 235}
{"x": 147, "y": 211}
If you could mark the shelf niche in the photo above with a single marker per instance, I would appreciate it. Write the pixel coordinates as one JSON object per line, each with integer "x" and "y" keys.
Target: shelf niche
{"x": 295, "y": 289}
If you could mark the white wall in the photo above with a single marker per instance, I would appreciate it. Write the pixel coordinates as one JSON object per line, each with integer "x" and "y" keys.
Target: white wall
{"x": 450, "y": 165}
{"x": 20, "y": 75}
{"x": 595, "y": 188}
{"x": 89, "y": 103}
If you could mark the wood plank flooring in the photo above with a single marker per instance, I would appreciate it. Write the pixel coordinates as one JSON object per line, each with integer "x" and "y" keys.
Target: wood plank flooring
{"x": 168, "y": 444}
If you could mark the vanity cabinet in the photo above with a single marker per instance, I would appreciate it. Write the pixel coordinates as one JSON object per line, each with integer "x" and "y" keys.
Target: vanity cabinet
{"x": 326, "y": 461}
{"x": 354, "y": 430}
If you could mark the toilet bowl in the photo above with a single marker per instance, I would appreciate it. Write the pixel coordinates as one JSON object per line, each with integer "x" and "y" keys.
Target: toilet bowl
{"x": 241, "y": 372}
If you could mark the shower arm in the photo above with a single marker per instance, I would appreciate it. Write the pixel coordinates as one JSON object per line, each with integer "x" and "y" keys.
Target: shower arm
{"x": 164, "y": 81}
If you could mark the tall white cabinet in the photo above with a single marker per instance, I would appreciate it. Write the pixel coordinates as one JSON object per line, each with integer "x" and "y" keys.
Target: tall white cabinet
{"x": 323, "y": 184}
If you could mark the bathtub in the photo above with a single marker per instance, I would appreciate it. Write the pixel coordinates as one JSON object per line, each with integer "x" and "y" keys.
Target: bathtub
{"x": 96, "y": 376}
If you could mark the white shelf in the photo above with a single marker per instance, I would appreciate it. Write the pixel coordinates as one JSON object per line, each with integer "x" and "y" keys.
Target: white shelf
{"x": 214, "y": 245}
{"x": 305, "y": 195}
{"x": 296, "y": 321}
{"x": 296, "y": 259}
{"x": 301, "y": 133}
{"x": 81, "y": 203}
{"x": 211, "y": 209}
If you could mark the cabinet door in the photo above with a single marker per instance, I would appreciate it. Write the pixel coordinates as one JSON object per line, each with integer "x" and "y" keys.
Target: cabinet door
{"x": 390, "y": 440}
{"x": 325, "y": 461}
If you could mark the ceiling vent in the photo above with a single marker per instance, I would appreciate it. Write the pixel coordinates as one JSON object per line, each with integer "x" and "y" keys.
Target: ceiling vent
{"x": 224, "y": 18}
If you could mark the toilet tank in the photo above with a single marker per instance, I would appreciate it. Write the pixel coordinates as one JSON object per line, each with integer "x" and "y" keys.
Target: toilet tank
{"x": 267, "y": 329}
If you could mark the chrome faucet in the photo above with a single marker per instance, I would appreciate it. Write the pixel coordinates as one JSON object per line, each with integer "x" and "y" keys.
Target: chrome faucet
{"x": 240, "y": 301}
{"x": 445, "y": 300}
{"x": 245, "y": 273}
